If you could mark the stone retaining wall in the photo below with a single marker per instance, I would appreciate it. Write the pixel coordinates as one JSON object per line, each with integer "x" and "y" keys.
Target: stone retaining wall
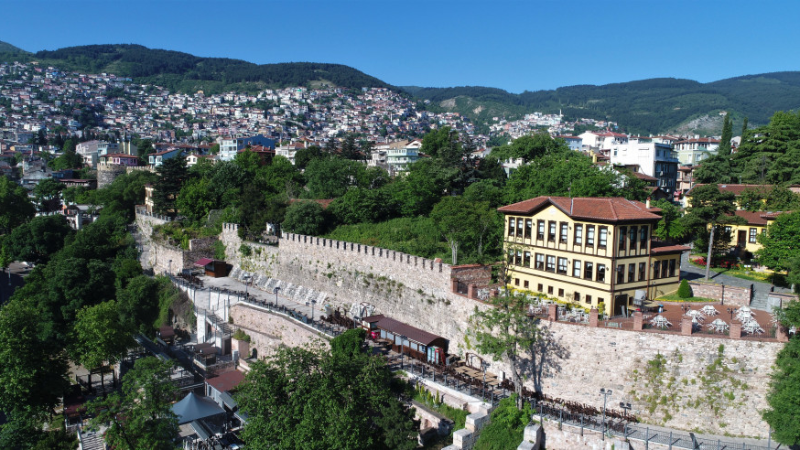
{"x": 418, "y": 292}
{"x": 728, "y": 295}
{"x": 269, "y": 331}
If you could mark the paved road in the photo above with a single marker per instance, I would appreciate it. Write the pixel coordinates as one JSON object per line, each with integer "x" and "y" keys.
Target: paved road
{"x": 11, "y": 279}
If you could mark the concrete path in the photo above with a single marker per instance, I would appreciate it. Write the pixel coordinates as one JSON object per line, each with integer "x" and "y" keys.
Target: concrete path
{"x": 216, "y": 300}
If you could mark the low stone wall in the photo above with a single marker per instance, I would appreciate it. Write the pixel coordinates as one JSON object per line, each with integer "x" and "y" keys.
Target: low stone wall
{"x": 269, "y": 331}
{"x": 572, "y": 438}
{"x": 160, "y": 256}
{"x": 728, "y": 295}
{"x": 432, "y": 419}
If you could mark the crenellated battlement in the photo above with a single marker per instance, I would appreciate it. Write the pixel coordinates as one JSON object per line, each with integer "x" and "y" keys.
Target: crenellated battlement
{"x": 351, "y": 248}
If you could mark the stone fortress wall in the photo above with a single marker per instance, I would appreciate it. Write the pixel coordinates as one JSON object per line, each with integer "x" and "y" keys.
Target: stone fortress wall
{"x": 702, "y": 383}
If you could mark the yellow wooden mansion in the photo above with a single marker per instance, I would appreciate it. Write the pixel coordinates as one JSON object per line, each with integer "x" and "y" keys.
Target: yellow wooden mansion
{"x": 589, "y": 251}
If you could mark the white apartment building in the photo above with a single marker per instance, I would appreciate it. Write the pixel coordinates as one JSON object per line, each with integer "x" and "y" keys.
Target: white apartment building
{"x": 654, "y": 159}
{"x": 693, "y": 151}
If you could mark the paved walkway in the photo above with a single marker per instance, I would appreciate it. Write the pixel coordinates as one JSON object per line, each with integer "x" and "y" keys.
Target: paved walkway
{"x": 215, "y": 300}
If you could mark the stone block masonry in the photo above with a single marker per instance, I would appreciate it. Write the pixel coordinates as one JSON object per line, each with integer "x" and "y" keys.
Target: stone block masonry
{"x": 408, "y": 288}
{"x": 270, "y": 331}
{"x": 728, "y": 295}
{"x": 418, "y": 292}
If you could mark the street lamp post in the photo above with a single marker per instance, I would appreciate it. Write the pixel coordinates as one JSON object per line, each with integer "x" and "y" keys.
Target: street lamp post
{"x": 170, "y": 267}
{"x": 402, "y": 342}
{"x": 275, "y": 291}
{"x": 484, "y": 365}
{"x": 313, "y": 302}
{"x": 605, "y": 393}
{"x": 246, "y": 284}
{"x": 732, "y": 311}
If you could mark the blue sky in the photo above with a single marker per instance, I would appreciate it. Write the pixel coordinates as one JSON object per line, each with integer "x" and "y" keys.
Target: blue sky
{"x": 513, "y": 45}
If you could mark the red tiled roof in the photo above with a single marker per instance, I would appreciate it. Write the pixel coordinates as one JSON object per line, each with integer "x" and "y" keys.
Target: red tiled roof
{"x": 400, "y": 328}
{"x": 700, "y": 140}
{"x": 760, "y": 218}
{"x": 644, "y": 177}
{"x": 227, "y": 381}
{"x": 656, "y": 250}
{"x": 119, "y": 155}
{"x": 609, "y": 209}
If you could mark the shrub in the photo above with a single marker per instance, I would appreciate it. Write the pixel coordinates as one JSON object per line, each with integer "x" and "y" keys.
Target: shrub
{"x": 245, "y": 250}
{"x": 684, "y": 291}
{"x": 241, "y": 335}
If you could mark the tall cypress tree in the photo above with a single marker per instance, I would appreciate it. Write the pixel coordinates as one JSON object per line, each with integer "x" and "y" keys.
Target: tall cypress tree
{"x": 727, "y": 134}
{"x": 172, "y": 173}
{"x": 744, "y": 128}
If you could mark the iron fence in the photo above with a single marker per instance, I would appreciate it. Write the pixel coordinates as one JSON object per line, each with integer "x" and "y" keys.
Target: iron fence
{"x": 627, "y": 430}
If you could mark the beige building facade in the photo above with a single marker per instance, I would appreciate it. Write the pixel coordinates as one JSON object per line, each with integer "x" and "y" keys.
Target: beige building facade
{"x": 593, "y": 252}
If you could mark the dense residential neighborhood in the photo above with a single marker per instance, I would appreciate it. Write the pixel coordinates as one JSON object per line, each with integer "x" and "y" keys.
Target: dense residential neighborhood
{"x": 330, "y": 265}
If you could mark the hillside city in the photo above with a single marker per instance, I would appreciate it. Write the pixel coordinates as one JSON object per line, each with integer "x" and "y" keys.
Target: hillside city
{"x": 320, "y": 267}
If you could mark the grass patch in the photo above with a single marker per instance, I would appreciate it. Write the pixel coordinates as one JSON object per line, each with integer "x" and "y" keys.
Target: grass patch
{"x": 677, "y": 298}
{"x": 458, "y": 416}
{"x": 506, "y": 429}
{"x": 744, "y": 274}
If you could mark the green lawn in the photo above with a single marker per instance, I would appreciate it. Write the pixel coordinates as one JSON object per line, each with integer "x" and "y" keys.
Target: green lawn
{"x": 675, "y": 298}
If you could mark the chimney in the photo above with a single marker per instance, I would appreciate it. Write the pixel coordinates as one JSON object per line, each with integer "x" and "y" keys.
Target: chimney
{"x": 647, "y": 203}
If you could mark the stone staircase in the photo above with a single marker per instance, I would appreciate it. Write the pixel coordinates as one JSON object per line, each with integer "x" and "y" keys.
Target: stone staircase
{"x": 759, "y": 300}
{"x": 227, "y": 330}
{"x": 90, "y": 440}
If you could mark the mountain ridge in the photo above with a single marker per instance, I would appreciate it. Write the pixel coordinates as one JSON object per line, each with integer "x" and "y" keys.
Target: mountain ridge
{"x": 656, "y": 105}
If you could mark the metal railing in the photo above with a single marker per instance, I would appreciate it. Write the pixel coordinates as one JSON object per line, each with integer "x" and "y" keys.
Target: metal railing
{"x": 620, "y": 428}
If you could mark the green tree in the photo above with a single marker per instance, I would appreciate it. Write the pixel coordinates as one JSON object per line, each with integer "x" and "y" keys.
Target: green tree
{"x": 214, "y": 149}
{"x": 421, "y": 188}
{"x": 571, "y": 174}
{"x": 715, "y": 169}
{"x": 332, "y": 177}
{"x": 47, "y": 193}
{"x": 196, "y": 199}
{"x": 33, "y": 375}
{"x": 531, "y": 147}
{"x": 670, "y": 226}
{"x": 506, "y": 333}
{"x": 752, "y": 199}
{"x": 727, "y": 134}
{"x": 140, "y": 416}
{"x": 781, "y": 244}
{"x": 710, "y": 207}
{"x": 67, "y": 160}
{"x": 305, "y": 155}
{"x": 99, "y": 336}
{"x": 462, "y": 222}
{"x": 355, "y": 400}
{"x": 783, "y": 413}
{"x": 171, "y": 175}
{"x": 305, "y": 217}
{"x": 15, "y": 208}
{"x": 364, "y": 205}
{"x": 37, "y": 240}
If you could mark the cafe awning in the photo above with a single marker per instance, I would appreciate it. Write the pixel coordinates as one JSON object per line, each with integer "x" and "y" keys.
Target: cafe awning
{"x": 202, "y": 262}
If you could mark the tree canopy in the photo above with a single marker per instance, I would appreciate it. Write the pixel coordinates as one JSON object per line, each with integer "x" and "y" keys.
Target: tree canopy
{"x": 140, "y": 416}
{"x": 355, "y": 398}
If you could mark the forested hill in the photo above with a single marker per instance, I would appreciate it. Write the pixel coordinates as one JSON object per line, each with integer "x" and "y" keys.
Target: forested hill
{"x": 646, "y": 106}
{"x": 188, "y": 73}
{"x": 5, "y": 47}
